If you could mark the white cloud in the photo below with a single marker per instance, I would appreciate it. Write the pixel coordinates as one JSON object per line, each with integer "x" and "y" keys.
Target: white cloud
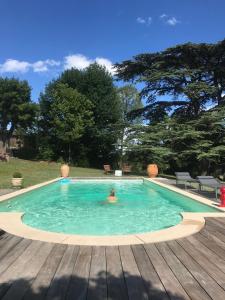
{"x": 81, "y": 62}
{"x": 146, "y": 21}
{"x": 172, "y": 21}
{"x": 163, "y": 16}
{"x": 13, "y": 65}
{"x": 40, "y": 66}
{"x": 140, "y": 20}
{"x": 43, "y": 65}
{"x": 149, "y": 21}
{"x": 78, "y": 61}
{"x": 16, "y": 66}
{"x": 106, "y": 63}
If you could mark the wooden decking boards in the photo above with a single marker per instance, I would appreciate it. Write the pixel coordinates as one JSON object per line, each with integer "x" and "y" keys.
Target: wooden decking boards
{"x": 187, "y": 268}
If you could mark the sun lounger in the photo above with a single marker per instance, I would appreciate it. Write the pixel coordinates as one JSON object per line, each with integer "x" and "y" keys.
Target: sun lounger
{"x": 107, "y": 169}
{"x": 185, "y": 178}
{"x": 209, "y": 181}
{"x": 126, "y": 169}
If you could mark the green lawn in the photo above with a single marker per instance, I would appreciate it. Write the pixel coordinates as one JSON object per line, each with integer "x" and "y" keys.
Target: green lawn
{"x": 35, "y": 172}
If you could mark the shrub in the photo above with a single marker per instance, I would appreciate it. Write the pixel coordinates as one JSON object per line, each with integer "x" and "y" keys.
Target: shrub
{"x": 61, "y": 160}
{"x": 17, "y": 175}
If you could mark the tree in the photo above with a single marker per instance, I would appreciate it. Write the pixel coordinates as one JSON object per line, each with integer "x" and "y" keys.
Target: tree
{"x": 65, "y": 113}
{"x": 130, "y": 101}
{"x": 16, "y": 109}
{"x": 96, "y": 83}
{"x": 191, "y": 75}
{"x": 150, "y": 144}
{"x": 195, "y": 145}
{"x": 99, "y": 140}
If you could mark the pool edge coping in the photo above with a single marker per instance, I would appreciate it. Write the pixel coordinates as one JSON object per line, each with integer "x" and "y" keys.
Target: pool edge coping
{"x": 191, "y": 223}
{"x": 27, "y": 189}
{"x": 195, "y": 197}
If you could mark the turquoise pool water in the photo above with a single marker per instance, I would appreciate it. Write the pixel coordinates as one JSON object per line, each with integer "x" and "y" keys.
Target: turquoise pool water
{"x": 80, "y": 207}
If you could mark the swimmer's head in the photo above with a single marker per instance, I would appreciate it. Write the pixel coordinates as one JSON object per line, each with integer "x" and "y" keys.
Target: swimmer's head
{"x": 112, "y": 193}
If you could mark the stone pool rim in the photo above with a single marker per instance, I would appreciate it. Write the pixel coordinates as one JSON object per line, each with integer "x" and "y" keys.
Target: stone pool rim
{"x": 191, "y": 222}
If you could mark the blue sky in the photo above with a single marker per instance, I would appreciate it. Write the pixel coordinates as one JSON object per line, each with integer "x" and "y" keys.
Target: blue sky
{"x": 41, "y": 38}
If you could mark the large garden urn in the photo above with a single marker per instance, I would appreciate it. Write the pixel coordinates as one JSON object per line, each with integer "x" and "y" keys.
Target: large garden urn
{"x": 65, "y": 169}
{"x": 152, "y": 170}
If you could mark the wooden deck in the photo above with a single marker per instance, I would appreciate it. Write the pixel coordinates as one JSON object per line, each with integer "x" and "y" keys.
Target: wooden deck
{"x": 188, "y": 268}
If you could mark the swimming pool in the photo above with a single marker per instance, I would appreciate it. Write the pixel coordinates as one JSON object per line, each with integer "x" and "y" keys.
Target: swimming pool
{"x": 80, "y": 207}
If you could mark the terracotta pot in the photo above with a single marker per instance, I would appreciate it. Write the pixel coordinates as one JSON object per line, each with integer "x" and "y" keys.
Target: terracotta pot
{"x": 152, "y": 170}
{"x": 17, "y": 182}
{"x": 65, "y": 169}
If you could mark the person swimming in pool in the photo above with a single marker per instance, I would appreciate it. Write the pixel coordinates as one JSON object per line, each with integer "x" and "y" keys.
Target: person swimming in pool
{"x": 112, "y": 197}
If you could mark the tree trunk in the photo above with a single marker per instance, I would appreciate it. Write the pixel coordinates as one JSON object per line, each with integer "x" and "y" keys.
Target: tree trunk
{"x": 5, "y": 141}
{"x": 204, "y": 167}
{"x": 122, "y": 148}
{"x": 69, "y": 153}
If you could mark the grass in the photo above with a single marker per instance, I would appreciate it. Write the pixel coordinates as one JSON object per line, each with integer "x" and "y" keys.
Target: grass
{"x": 35, "y": 172}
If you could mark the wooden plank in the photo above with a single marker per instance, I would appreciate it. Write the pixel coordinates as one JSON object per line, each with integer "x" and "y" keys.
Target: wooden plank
{"x": 7, "y": 244}
{"x": 212, "y": 256}
{"x": 14, "y": 271}
{"x": 214, "y": 236}
{"x": 211, "y": 244}
{"x": 11, "y": 256}
{"x": 5, "y": 236}
{"x": 216, "y": 223}
{"x": 61, "y": 280}
{"x": 115, "y": 279}
{"x": 152, "y": 282}
{"x": 134, "y": 282}
{"x": 215, "y": 226}
{"x": 208, "y": 284}
{"x": 40, "y": 285}
{"x": 212, "y": 226}
{"x": 170, "y": 282}
{"x": 79, "y": 280}
{"x": 2, "y": 233}
{"x": 189, "y": 283}
{"x": 217, "y": 232}
{"x": 22, "y": 283}
{"x": 97, "y": 287}
{"x": 221, "y": 220}
{"x": 204, "y": 262}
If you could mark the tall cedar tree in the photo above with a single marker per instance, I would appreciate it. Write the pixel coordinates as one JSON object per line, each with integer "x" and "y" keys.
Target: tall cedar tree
{"x": 192, "y": 75}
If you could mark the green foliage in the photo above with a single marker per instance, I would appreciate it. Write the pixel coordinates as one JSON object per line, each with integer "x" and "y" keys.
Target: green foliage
{"x": 196, "y": 145}
{"x": 16, "y": 109}
{"x": 70, "y": 112}
{"x": 150, "y": 143}
{"x": 98, "y": 141}
{"x": 183, "y": 133}
{"x": 65, "y": 114}
{"x": 60, "y": 160}
{"x": 46, "y": 152}
{"x": 97, "y": 85}
{"x": 192, "y": 74}
{"x": 17, "y": 175}
{"x": 78, "y": 115}
{"x": 130, "y": 102}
